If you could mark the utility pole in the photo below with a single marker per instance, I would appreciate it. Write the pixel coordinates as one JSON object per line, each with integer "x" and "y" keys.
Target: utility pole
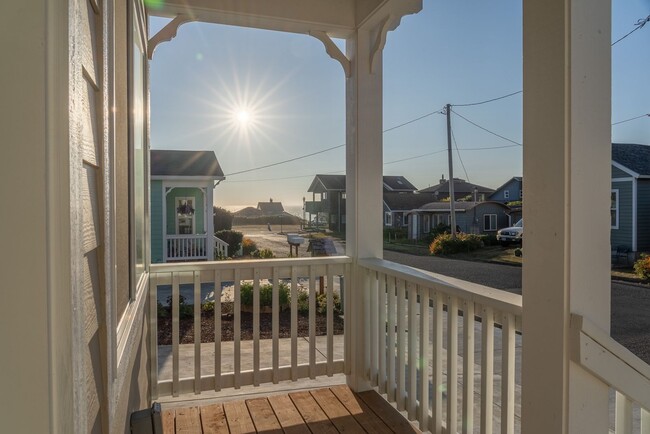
{"x": 452, "y": 199}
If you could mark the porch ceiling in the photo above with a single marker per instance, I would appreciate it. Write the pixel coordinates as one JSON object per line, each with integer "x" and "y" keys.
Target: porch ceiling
{"x": 338, "y": 18}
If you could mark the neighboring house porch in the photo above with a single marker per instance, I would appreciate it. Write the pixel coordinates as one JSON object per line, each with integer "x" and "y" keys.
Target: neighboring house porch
{"x": 182, "y": 201}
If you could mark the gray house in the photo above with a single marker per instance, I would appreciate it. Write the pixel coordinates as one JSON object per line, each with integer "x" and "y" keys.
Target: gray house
{"x": 463, "y": 190}
{"x": 630, "y": 197}
{"x": 512, "y": 190}
{"x": 471, "y": 217}
{"x": 397, "y": 206}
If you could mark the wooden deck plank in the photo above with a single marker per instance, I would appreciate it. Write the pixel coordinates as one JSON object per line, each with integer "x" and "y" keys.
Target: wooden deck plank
{"x": 311, "y": 412}
{"x": 169, "y": 426}
{"x": 239, "y": 420}
{"x": 213, "y": 420}
{"x": 361, "y": 412}
{"x": 336, "y": 412}
{"x": 288, "y": 415}
{"x": 387, "y": 413}
{"x": 188, "y": 421}
{"x": 263, "y": 416}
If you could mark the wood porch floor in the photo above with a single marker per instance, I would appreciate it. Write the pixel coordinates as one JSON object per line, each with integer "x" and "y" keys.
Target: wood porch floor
{"x": 328, "y": 410}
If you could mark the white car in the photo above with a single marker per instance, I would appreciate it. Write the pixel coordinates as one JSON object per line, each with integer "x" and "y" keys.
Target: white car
{"x": 513, "y": 234}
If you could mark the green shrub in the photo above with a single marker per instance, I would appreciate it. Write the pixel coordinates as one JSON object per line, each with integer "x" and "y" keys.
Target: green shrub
{"x": 264, "y": 254}
{"x": 443, "y": 244}
{"x": 266, "y": 294}
{"x": 303, "y": 302}
{"x": 184, "y": 310}
{"x": 207, "y": 306}
{"x": 321, "y": 304}
{"x": 233, "y": 238}
{"x": 642, "y": 266}
{"x": 222, "y": 219}
{"x": 248, "y": 246}
{"x": 489, "y": 240}
{"x": 395, "y": 233}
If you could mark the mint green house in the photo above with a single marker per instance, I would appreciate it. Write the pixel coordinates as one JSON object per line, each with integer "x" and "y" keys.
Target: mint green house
{"x": 182, "y": 200}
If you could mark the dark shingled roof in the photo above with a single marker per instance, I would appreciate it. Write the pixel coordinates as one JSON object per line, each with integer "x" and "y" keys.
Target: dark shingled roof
{"x": 185, "y": 163}
{"x": 270, "y": 208}
{"x": 398, "y": 183}
{"x": 460, "y": 186}
{"x": 337, "y": 183}
{"x": 633, "y": 156}
{"x": 249, "y": 211}
{"x": 406, "y": 201}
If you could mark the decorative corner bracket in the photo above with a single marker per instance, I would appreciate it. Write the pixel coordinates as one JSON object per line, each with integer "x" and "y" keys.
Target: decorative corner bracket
{"x": 333, "y": 51}
{"x": 389, "y": 23}
{"x": 166, "y": 34}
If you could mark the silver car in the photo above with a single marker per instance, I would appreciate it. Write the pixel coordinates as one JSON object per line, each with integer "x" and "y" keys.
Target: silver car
{"x": 512, "y": 234}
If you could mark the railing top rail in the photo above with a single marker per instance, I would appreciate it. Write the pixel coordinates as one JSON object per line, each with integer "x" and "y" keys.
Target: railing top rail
{"x": 502, "y": 301}
{"x": 610, "y": 361}
{"x": 185, "y": 236}
{"x": 247, "y": 264}
{"x": 219, "y": 240}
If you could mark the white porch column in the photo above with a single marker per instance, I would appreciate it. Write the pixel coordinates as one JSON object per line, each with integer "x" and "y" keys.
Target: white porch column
{"x": 209, "y": 224}
{"x": 566, "y": 165}
{"x": 363, "y": 186}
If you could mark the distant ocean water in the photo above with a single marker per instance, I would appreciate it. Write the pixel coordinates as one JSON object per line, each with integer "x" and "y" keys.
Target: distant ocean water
{"x": 291, "y": 209}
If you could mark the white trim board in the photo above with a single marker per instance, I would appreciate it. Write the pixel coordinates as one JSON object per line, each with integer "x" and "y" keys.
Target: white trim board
{"x": 625, "y": 169}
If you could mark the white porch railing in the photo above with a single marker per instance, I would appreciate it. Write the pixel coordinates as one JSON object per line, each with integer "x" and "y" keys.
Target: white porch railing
{"x": 413, "y": 322}
{"x": 220, "y": 248}
{"x": 308, "y": 273}
{"x": 185, "y": 247}
{"x": 627, "y": 375}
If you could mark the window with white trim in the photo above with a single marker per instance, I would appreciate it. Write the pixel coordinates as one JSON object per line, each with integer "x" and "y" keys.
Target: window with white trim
{"x": 388, "y": 219}
{"x": 613, "y": 209}
{"x": 489, "y": 222}
{"x": 506, "y": 194}
{"x": 521, "y": 194}
{"x": 323, "y": 196}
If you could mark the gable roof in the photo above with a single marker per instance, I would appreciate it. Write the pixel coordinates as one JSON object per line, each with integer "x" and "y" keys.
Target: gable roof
{"x": 249, "y": 211}
{"x": 185, "y": 163}
{"x": 633, "y": 156}
{"x": 459, "y": 206}
{"x": 270, "y": 208}
{"x": 396, "y": 201}
{"x": 514, "y": 178}
{"x": 460, "y": 187}
{"x": 322, "y": 183}
{"x": 398, "y": 183}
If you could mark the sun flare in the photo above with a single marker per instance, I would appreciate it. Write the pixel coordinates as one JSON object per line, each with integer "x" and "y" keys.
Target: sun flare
{"x": 243, "y": 117}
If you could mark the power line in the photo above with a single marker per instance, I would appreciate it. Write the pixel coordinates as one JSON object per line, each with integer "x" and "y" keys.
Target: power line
{"x": 487, "y": 100}
{"x": 486, "y": 130}
{"x": 631, "y": 119}
{"x": 639, "y": 24}
{"x": 459, "y": 157}
{"x": 286, "y": 161}
{"x": 411, "y": 121}
{"x": 417, "y": 156}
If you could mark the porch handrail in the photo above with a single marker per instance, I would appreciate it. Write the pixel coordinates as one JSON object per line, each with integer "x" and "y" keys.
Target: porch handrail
{"x": 309, "y": 273}
{"x": 184, "y": 236}
{"x": 221, "y": 248}
{"x": 403, "y": 305}
{"x": 186, "y": 247}
{"x": 616, "y": 366}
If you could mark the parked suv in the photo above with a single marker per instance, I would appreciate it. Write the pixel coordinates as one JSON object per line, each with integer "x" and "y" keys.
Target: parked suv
{"x": 513, "y": 234}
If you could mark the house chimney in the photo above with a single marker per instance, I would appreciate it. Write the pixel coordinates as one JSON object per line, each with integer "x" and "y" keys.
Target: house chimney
{"x": 442, "y": 180}
{"x": 271, "y": 200}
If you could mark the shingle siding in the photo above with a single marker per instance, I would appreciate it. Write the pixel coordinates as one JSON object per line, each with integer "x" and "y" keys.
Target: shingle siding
{"x": 623, "y": 235}
{"x": 643, "y": 215}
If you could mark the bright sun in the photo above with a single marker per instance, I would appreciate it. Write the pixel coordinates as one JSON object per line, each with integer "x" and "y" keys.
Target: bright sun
{"x": 243, "y": 117}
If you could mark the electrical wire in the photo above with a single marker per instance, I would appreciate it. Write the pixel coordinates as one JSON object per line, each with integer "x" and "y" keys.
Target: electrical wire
{"x": 485, "y": 129}
{"x": 285, "y": 161}
{"x": 639, "y": 25}
{"x": 487, "y": 100}
{"x": 458, "y": 152}
{"x": 411, "y": 121}
{"x": 631, "y": 119}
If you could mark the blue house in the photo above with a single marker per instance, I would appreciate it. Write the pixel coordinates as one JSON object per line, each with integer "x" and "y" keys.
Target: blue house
{"x": 511, "y": 191}
{"x": 630, "y": 197}
{"x": 182, "y": 200}
{"x": 471, "y": 217}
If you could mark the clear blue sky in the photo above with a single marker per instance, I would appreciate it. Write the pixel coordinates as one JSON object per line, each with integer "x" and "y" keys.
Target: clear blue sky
{"x": 452, "y": 52}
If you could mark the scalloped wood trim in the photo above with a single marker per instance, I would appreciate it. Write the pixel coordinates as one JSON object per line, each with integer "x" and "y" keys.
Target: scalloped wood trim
{"x": 333, "y": 51}
{"x": 167, "y": 33}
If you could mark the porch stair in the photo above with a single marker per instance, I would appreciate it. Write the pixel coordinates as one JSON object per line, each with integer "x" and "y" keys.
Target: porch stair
{"x": 325, "y": 410}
